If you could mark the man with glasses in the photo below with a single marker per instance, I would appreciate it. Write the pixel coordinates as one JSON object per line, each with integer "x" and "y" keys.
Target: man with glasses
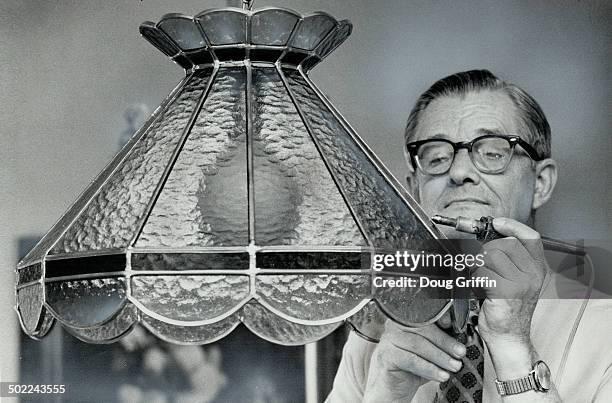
{"x": 478, "y": 146}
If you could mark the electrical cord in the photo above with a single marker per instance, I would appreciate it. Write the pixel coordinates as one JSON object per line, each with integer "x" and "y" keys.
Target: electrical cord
{"x": 585, "y": 302}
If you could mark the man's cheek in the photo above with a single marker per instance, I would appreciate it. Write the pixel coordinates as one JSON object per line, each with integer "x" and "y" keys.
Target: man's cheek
{"x": 512, "y": 196}
{"x": 430, "y": 193}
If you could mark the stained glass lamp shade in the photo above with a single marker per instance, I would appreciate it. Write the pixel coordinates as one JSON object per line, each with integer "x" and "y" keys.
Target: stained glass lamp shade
{"x": 246, "y": 197}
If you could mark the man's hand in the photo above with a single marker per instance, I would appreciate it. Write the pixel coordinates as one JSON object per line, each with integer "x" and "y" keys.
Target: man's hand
{"x": 406, "y": 358}
{"x": 518, "y": 265}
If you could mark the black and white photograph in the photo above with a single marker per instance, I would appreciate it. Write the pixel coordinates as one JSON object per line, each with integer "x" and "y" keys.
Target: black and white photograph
{"x": 336, "y": 201}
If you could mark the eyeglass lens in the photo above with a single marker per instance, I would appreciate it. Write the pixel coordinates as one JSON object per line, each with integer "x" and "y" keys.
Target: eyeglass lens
{"x": 489, "y": 154}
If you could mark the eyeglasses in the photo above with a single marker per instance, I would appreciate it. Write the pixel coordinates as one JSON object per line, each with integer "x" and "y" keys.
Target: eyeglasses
{"x": 490, "y": 154}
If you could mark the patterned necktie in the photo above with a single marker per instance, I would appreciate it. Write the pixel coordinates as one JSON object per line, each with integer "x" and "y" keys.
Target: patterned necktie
{"x": 466, "y": 385}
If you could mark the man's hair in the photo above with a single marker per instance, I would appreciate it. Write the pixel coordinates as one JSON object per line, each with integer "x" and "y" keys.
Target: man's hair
{"x": 537, "y": 129}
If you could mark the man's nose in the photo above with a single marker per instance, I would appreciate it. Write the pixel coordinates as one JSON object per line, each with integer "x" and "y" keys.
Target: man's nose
{"x": 463, "y": 170}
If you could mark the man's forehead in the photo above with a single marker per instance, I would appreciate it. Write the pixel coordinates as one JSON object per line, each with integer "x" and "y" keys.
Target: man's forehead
{"x": 468, "y": 116}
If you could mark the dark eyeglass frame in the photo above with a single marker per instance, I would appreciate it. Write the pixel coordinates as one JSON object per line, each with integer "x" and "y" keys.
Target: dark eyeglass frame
{"x": 513, "y": 140}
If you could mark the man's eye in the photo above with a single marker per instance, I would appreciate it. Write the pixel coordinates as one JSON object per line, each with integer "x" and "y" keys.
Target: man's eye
{"x": 492, "y": 155}
{"x": 437, "y": 160}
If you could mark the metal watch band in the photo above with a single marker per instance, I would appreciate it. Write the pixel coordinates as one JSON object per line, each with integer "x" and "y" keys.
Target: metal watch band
{"x": 516, "y": 386}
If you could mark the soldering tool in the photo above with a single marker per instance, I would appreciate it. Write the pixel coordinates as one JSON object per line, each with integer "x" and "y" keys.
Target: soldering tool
{"x": 485, "y": 231}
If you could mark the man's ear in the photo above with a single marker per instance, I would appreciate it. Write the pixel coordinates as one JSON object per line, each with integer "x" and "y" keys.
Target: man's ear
{"x": 545, "y": 181}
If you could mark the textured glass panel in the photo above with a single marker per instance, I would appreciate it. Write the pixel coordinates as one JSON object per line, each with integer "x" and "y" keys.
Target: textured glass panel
{"x": 230, "y": 54}
{"x": 111, "y": 219}
{"x": 311, "y": 31}
{"x": 313, "y": 260}
{"x": 29, "y": 274}
{"x": 296, "y": 200}
{"x": 310, "y": 63}
{"x": 278, "y": 330}
{"x": 369, "y": 321}
{"x": 110, "y": 331}
{"x": 224, "y": 27}
{"x": 313, "y": 296}
{"x": 411, "y": 304}
{"x": 204, "y": 201}
{"x": 43, "y": 326}
{"x": 86, "y": 303}
{"x": 335, "y": 39}
{"x": 272, "y": 27}
{"x": 200, "y": 57}
{"x": 266, "y": 55}
{"x": 157, "y": 39}
{"x": 294, "y": 58}
{"x": 386, "y": 219}
{"x": 85, "y": 265}
{"x": 30, "y": 302}
{"x": 191, "y": 334}
{"x": 190, "y": 261}
{"x": 46, "y": 324}
{"x": 184, "y": 32}
{"x": 183, "y": 61}
{"x": 49, "y": 239}
{"x": 190, "y": 298}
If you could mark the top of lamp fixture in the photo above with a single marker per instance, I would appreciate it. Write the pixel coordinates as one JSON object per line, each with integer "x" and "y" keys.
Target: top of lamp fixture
{"x": 229, "y": 35}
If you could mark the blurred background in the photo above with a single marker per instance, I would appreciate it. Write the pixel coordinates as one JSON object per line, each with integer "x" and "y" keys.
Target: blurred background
{"x": 77, "y": 79}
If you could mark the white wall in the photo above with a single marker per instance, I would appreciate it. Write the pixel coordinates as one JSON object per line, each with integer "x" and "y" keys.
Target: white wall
{"x": 70, "y": 68}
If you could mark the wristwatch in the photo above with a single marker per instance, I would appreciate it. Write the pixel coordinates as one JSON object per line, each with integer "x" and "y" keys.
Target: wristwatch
{"x": 538, "y": 379}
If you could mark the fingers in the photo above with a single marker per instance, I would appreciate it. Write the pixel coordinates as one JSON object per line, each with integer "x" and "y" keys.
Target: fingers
{"x": 427, "y": 352}
{"x": 394, "y": 359}
{"x": 404, "y": 336}
{"x": 498, "y": 261}
{"x": 512, "y": 247}
{"x": 445, "y": 321}
{"x": 512, "y": 260}
{"x": 527, "y": 236}
{"x": 510, "y": 227}
{"x": 503, "y": 288}
{"x": 415, "y": 355}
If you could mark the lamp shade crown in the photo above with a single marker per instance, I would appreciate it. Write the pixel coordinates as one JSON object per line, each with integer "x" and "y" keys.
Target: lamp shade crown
{"x": 230, "y": 34}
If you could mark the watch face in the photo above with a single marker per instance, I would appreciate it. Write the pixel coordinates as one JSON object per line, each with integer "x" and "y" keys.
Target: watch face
{"x": 542, "y": 375}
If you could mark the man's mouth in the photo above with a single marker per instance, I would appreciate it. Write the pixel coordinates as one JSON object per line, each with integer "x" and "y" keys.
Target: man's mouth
{"x": 467, "y": 200}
